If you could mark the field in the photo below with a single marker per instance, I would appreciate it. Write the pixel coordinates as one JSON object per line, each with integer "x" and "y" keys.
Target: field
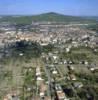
{"x": 13, "y": 73}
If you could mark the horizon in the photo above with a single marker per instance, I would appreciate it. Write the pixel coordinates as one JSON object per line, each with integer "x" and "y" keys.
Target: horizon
{"x": 17, "y": 15}
{"x": 36, "y": 7}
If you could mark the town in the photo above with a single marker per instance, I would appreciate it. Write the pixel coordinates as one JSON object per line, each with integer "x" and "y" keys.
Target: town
{"x": 48, "y": 61}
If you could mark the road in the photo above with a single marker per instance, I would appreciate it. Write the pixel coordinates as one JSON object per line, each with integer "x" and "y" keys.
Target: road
{"x": 49, "y": 79}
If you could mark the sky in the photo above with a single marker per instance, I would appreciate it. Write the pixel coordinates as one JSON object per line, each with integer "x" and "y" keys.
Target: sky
{"x": 33, "y": 7}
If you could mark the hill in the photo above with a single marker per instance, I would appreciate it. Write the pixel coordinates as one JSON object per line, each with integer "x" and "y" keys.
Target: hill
{"x": 91, "y": 17}
{"x": 44, "y": 17}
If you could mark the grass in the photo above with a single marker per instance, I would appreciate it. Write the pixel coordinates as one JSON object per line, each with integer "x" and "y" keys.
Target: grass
{"x": 14, "y": 69}
{"x": 80, "y": 54}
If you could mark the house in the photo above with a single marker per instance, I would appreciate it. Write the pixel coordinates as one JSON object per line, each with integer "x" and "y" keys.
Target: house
{"x": 67, "y": 50}
{"x": 75, "y": 44}
{"x": 54, "y": 72}
{"x": 86, "y": 62}
{"x": 21, "y": 54}
{"x": 44, "y": 44}
{"x": 70, "y": 67}
{"x": 60, "y": 95}
{"x": 58, "y": 87}
{"x": 94, "y": 69}
{"x": 55, "y": 57}
{"x": 78, "y": 84}
{"x": 72, "y": 77}
{"x": 39, "y": 78}
{"x": 11, "y": 96}
{"x": 38, "y": 71}
{"x": 65, "y": 62}
{"x": 42, "y": 94}
{"x": 56, "y": 62}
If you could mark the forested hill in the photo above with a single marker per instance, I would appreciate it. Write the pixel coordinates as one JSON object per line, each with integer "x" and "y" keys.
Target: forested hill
{"x": 55, "y": 17}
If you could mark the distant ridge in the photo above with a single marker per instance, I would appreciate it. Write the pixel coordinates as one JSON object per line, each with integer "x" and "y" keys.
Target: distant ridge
{"x": 51, "y": 16}
{"x": 91, "y": 17}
